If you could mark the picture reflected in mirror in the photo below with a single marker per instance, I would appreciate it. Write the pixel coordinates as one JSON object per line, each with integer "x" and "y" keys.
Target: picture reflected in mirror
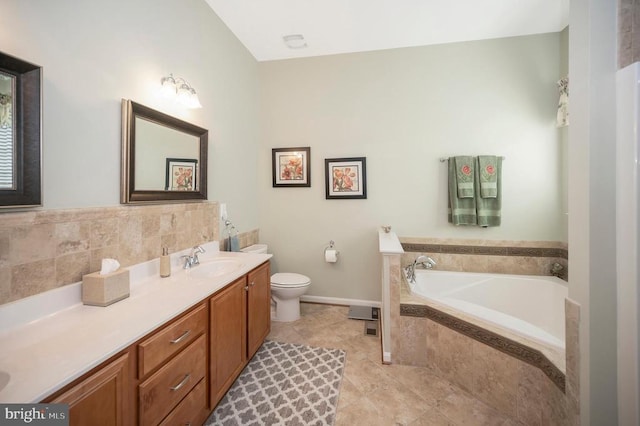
{"x": 151, "y": 166}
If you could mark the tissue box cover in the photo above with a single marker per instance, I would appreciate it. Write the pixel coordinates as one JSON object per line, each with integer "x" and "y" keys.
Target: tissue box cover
{"x": 103, "y": 290}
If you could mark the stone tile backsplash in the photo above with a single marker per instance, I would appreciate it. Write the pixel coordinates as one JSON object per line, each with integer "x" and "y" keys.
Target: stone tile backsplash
{"x": 43, "y": 250}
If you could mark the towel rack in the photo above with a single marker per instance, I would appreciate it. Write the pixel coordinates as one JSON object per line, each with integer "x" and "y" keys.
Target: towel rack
{"x": 232, "y": 243}
{"x": 230, "y": 228}
{"x": 443, "y": 159}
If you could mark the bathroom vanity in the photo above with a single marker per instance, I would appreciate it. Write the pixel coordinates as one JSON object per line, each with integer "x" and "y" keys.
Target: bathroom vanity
{"x": 166, "y": 355}
{"x": 239, "y": 323}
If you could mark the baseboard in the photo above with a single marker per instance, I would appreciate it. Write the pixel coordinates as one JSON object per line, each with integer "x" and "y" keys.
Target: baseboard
{"x": 339, "y": 301}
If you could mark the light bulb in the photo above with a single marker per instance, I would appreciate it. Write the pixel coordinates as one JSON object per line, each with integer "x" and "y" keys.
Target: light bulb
{"x": 168, "y": 89}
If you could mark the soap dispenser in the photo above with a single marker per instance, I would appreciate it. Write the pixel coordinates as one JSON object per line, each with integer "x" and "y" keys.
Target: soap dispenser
{"x": 165, "y": 263}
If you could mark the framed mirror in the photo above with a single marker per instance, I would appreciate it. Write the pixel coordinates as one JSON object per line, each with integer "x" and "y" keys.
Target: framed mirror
{"x": 164, "y": 159}
{"x": 20, "y": 133}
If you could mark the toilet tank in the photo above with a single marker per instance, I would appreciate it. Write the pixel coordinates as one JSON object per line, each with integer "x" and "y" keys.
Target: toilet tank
{"x": 256, "y": 248}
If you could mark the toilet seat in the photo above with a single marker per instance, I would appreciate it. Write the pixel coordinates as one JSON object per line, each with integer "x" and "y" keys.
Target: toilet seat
{"x": 289, "y": 280}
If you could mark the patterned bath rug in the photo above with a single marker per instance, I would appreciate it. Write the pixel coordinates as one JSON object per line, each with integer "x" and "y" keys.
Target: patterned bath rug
{"x": 284, "y": 384}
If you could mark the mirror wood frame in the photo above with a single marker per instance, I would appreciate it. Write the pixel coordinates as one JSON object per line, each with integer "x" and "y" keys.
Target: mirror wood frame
{"x": 128, "y": 194}
{"x": 27, "y": 191}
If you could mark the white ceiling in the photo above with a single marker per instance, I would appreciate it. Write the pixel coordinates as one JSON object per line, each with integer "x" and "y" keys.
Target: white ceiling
{"x": 345, "y": 26}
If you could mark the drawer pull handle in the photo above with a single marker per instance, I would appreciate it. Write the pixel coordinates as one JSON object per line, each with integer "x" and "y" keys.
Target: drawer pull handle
{"x": 181, "y": 338}
{"x": 181, "y": 384}
{"x": 246, "y": 288}
{"x": 253, "y": 283}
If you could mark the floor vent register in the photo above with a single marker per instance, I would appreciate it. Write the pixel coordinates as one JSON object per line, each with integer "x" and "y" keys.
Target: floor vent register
{"x": 369, "y": 315}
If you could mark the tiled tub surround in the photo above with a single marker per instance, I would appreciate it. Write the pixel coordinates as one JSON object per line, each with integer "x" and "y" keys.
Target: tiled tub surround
{"x": 500, "y": 257}
{"x": 529, "y": 383}
{"x": 45, "y": 249}
{"x": 540, "y": 347}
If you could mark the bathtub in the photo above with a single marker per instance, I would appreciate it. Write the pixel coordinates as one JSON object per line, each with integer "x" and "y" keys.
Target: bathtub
{"x": 530, "y": 306}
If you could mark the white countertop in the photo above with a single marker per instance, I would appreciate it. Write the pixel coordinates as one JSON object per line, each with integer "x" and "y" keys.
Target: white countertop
{"x": 51, "y": 339}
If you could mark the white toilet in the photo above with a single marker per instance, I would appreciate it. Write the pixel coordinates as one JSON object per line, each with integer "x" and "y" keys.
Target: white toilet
{"x": 286, "y": 289}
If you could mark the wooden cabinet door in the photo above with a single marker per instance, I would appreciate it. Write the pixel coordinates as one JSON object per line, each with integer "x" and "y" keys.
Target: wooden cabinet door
{"x": 258, "y": 307}
{"x": 228, "y": 331}
{"x": 102, "y": 398}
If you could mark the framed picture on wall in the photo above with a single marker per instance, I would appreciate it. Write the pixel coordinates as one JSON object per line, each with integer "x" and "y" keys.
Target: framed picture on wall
{"x": 346, "y": 178}
{"x": 181, "y": 174}
{"x": 291, "y": 167}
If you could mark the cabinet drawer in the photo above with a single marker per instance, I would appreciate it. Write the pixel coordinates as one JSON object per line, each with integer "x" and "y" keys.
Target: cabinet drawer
{"x": 156, "y": 349}
{"x": 192, "y": 410}
{"x": 165, "y": 388}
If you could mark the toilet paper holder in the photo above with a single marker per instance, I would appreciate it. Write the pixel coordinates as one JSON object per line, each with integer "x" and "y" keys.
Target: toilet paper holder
{"x": 331, "y": 247}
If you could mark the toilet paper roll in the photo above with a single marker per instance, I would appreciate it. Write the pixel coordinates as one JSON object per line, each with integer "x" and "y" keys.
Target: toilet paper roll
{"x": 330, "y": 256}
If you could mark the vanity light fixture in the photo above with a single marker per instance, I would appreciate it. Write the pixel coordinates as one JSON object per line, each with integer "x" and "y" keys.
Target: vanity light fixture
{"x": 178, "y": 88}
{"x": 295, "y": 41}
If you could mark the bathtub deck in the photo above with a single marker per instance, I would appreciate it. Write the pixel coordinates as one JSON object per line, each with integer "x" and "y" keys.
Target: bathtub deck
{"x": 555, "y": 357}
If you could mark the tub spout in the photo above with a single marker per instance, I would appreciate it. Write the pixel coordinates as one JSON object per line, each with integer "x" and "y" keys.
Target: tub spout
{"x": 410, "y": 269}
{"x": 425, "y": 261}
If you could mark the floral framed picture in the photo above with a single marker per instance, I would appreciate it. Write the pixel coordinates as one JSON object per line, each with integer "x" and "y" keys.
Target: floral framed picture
{"x": 181, "y": 174}
{"x": 346, "y": 178}
{"x": 291, "y": 167}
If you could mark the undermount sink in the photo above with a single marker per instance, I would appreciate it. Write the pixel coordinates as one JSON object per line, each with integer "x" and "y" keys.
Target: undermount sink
{"x": 215, "y": 267}
{"x": 4, "y": 379}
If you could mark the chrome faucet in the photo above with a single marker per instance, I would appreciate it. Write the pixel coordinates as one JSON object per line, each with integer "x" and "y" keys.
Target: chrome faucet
{"x": 192, "y": 259}
{"x": 194, "y": 254}
{"x": 425, "y": 261}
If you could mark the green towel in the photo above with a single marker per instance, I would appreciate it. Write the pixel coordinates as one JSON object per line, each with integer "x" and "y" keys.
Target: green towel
{"x": 488, "y": 209}
{"x": 464, "y": 174}
{"x": 462, "y": 211}
{"x": 489, "y": 170}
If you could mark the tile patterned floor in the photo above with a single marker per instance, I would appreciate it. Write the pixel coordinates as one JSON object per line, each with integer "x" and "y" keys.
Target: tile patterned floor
{"x": 376, "y": 394}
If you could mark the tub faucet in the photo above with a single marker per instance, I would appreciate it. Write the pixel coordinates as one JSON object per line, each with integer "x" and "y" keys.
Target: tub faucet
{"x": 192, "y": 259}
{"x": 425, "y": 261}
